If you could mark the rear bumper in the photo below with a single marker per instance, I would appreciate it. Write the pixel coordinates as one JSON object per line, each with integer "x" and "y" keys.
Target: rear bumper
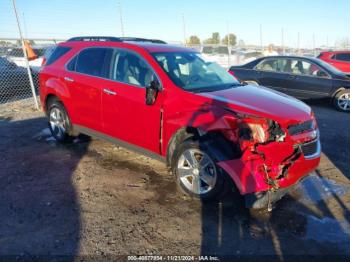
{"x": 250, "y": 175}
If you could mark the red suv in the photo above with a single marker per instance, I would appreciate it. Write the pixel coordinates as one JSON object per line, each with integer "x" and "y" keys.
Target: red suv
{"x": 338, "y": 59}
{"x": 169, "y": 103}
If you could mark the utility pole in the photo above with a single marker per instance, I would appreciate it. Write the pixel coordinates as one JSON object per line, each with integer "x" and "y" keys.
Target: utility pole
{"x": 298, "y": 44}
{"x": 261, "y": 39}
{"x": 228, "y": 44}
{"x": 184, "y": 29}
{"x": 26, "y": 57}
{"x": 313, "y": 44}
{"x": 282, "y": 41}
{"x": 121, "y": 19}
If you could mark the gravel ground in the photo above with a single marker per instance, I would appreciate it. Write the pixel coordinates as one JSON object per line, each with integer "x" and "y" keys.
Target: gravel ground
{"x": 95, "y": 199}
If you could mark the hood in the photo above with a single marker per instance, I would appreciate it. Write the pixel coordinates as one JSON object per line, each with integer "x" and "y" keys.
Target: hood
{"x": 262, "y": 102}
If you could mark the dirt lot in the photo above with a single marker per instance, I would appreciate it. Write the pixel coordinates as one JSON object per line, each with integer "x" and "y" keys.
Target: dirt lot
{"x": 93, "y": 198}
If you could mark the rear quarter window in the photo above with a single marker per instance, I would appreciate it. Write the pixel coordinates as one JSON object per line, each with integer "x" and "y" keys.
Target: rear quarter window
{"x": 57, "y": 54}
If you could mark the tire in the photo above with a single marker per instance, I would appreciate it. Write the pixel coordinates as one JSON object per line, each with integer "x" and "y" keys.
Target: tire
{"x": 59, "y": 122}
{"x": 341, "y": 101}
{"x": 207, "y": 183}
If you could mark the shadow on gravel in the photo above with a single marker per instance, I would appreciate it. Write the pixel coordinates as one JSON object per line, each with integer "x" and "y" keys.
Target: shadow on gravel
{"x": 39, "y": 208}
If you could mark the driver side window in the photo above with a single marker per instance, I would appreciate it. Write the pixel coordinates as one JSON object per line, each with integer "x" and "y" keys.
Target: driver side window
{"x": 130, "y": 69}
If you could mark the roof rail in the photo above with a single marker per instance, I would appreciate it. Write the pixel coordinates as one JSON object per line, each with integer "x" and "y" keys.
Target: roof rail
{"x": 95, "y": 38}
{"x": 145, "y": 40}
{"x": 114, "y": 39}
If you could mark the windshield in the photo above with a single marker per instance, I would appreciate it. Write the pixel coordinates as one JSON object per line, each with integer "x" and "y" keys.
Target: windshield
{"x": 192, "y": 73}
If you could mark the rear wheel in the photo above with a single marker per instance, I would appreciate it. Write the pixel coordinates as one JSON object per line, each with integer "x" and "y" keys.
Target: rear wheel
{"x": 196, "y": 171}
{"x": 342, "y": 101}
{"x": 59, "y": 122}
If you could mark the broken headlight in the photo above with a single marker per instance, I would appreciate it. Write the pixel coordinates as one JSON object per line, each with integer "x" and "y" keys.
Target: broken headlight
{"x": 260, "y": 130}
{"x": 256, "y": 129}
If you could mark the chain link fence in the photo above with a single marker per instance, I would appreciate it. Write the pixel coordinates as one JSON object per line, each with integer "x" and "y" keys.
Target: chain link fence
{"x": 14, "y": 77}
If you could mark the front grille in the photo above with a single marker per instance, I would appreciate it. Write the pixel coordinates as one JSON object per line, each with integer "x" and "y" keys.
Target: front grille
{"x": 310, "y": 149}
{"x": 300, "y": 128}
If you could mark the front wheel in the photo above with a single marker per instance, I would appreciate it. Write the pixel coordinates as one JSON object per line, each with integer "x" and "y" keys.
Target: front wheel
{"x": 342, "y": 101}
{"x": 196, "y": 171}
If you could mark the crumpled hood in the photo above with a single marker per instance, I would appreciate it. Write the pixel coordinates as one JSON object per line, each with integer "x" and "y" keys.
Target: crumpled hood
{"x": 262, "y": 102}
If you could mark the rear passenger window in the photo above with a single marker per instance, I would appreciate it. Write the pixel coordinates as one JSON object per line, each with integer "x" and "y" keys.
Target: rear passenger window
{"x": 343, "y": 57}
{"x": 57, "y": 54}
{"x": 92, "y": 61}
{"x": 276, "y": 65}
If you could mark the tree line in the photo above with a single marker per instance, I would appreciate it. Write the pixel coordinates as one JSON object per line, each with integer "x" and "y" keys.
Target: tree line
{"x": 229, "y": 39}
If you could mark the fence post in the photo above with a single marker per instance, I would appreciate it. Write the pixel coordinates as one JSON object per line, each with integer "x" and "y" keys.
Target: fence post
{"x": 26, "y": 58}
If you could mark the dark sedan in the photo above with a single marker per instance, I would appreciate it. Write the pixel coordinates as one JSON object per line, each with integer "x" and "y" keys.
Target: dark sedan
{"x": 301, "y": 77}
{"x": 14, "y": 81}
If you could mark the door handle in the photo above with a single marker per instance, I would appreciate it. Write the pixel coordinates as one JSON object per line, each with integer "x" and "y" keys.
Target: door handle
{"x": 109, "y": 92}
{"x": 68, "y": 79}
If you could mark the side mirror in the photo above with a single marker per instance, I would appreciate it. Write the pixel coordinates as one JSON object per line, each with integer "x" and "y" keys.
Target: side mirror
{"x": 152, "y": 92}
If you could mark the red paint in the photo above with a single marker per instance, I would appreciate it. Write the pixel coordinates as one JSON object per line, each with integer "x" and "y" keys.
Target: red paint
{"x": 127, "y": 117}
{"x": 330, "y": 57}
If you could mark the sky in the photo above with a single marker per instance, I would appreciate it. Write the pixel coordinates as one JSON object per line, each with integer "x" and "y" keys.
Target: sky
{"x": 322, "y": 20}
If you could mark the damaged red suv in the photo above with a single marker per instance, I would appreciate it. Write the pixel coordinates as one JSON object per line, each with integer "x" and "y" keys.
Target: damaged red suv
{"x": 169, "y": 103}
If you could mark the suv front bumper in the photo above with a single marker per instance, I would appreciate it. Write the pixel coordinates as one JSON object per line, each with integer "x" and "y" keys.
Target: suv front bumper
{"x": 253, "y": 173}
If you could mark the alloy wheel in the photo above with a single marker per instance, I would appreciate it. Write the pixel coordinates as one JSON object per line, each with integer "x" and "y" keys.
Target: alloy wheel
{"x": 197, "y": 171}
{"x": 344, "y": 101}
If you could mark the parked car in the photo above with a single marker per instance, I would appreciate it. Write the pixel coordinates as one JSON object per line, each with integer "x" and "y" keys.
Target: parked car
{"x": 16, "y": 55}
{"x": 14, "y": 79}
{"x": 301, "y": 77}
{"x": 218, "y": 54}
{"x": 167, "y": 102}
{"x": 338, "y": 59}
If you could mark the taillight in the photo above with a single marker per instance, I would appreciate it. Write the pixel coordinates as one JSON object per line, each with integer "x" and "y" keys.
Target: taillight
{"x": 44, "y": 61}
{"x": 231, "y": 72}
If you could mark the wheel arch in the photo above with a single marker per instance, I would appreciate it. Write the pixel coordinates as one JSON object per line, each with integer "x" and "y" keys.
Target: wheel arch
{"x": 177, "y": 138}
{"x": 214, "y": 140}
{"x": 50, "y": 97}
{"x": 339, "y": 89}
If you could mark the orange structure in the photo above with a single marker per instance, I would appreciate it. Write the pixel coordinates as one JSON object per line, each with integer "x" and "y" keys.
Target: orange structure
{"x": 30, "y": 52}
